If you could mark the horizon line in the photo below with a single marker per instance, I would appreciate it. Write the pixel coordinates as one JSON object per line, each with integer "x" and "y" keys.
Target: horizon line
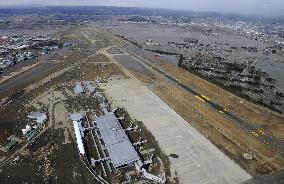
{"x": 139, "y": 7}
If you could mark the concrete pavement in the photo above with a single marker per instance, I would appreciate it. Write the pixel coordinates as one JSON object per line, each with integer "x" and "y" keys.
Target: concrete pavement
{"x": 199, "y": 160}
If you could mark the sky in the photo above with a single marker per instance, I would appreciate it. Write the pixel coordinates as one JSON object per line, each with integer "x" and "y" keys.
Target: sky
{"x": 246, "y": 7}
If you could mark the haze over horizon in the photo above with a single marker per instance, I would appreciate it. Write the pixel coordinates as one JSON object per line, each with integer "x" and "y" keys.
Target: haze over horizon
{"x": 244, "y": 7}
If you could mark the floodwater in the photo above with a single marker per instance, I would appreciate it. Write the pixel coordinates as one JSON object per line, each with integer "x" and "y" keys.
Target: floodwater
{"x": 218, "y": 43}
{"x": 274, "y": 69}
{"x": 28, "y": 32}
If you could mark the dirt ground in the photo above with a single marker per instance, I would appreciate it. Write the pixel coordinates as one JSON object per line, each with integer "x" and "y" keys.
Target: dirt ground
{"x": 99, "y": 58}
{"x": 47, "y": 160}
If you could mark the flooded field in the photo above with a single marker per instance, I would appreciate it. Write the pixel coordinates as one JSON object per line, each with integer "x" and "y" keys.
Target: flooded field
{"x": 221, "y": 42}
{"x": 230, "y": 59}
{"x": 29, "y": 32}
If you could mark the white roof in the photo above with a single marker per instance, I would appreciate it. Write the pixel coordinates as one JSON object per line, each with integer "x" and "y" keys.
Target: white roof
{"x": 78, "y": 132}
{"x": 38, "y": 116}
{"x": 76, "y": 116}
{"x": 117, "y": 143}
{"x": 78, "y": 89}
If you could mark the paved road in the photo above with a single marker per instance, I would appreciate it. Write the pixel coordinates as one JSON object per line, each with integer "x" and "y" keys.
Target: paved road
{"x": 253, "y": 129}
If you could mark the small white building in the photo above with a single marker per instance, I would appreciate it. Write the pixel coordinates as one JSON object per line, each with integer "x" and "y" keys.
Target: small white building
{"x": 27, "y": 129}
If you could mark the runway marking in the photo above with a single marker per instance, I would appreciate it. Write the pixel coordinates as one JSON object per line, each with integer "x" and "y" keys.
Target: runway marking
{"x": 249, "y": 127}
{"x": 199, "y": 98}
{"x": 205, "y": 97}
{"x": 255, "y": 134}
{"x": 261, "y": 131}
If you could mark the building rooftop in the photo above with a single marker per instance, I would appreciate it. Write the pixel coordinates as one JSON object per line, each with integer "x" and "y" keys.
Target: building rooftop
{"x": 10, "y": 144}
{"x": 78, "y": 89}
{"x": 38, "y": 116}
{"x": 76, "y": 116}
{"x": 77, "y": 119}
{"x": 90, "y": 86}
{"x": 118, "y": 145}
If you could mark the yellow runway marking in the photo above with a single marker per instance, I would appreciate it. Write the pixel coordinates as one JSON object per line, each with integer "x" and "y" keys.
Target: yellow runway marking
{"x": 261, "y": 131}
{"x": 198, "y": 97}
{"x": 254, "y": 134}
{"x": 205, "y": 97}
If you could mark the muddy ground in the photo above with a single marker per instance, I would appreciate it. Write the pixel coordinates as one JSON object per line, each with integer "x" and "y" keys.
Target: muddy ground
{"x": 47, "y": 160}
